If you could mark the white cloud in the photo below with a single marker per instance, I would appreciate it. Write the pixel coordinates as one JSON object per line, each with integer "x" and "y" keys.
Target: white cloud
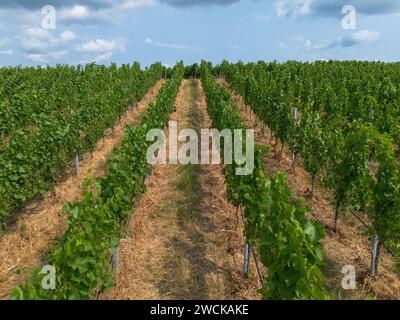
{"x": 47, "y": 57}
{"x": 102, "y": 58}
{"x": 35, "y": 40}
{"x": 290, "y": 8}
{"x": 78, "y": 14}
{"x": 360, "y": 37}
{"x": 105, "y": 57}
{"x": 99, "y": 11}
{"x": 356, "y": 38}
{"x": 33, "y": 45}
{"x": 296, "y": 43}
{"x": 37, "y": 33}
{"x": 6, "y": 52}
{"x": 324, "y": 45}
{"x": 37, "y": 57}
{"x": 99, "y": 50}
{"x": 92, "y": 4}
{"x": 135, "y": 4}
{"x": 197, "y": 3}
{"x": 75, "y": 12}
{"x": 152, "y": 42}
{"x": 307, "y": 45}
{"x": 68, "y": 36}
{"x": 101, "y": 46}
{"x": 333, "y": 8}
{"x": 3, "y": 42}
{"x": 44, "y": 46}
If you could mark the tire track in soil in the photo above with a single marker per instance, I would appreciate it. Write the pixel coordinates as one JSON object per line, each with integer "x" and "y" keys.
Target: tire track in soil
{"x": 41, "y": 224}
{"x": 350, "y": 245}
{"x": 183, "y": 241}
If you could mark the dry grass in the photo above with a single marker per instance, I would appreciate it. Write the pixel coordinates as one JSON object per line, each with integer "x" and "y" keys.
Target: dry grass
{"x": 182, "y": 242}
{"x": 40, "y": 225}
{"x": 350, "y": 245}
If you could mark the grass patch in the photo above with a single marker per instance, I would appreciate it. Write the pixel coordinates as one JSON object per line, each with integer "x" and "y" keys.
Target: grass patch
{"x": 189, "y": 186}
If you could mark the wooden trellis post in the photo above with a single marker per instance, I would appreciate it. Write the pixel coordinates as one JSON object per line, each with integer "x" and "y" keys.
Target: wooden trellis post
{"x": 76, "y": 164}
{"x": 375, "y": 255}
{"x": 246, "y": 264}
{"x": 294, "y": 155}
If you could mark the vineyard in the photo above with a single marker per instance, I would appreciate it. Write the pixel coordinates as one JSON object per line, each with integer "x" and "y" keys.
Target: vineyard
{"x": 80, "y": 202}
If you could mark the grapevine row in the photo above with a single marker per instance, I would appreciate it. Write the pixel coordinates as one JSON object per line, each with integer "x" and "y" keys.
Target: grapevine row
{"x": 61, "y": 126}
{"x": 97, "y": 222}
{"x": 289, "y": 245}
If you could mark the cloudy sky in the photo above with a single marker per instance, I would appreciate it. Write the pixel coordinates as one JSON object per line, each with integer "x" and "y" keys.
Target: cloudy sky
{"x": 169, "y": 30}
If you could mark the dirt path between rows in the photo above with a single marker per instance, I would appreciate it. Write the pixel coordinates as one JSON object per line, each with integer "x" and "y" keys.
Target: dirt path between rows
{"x": 41, "y": 224}
{"x": 350, "y": 245}
{"x": 183, "y": 241}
